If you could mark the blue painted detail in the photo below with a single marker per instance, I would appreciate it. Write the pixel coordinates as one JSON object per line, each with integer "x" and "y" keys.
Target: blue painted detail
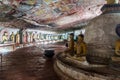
{"x": 115, "y": 11}
{"x": 118, "y": 30}
{"x": 110, "y": 6}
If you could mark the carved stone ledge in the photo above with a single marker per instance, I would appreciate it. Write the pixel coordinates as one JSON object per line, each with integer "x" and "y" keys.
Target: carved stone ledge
{"x": 111, "y": 8}
{"x": 81, "y": 70}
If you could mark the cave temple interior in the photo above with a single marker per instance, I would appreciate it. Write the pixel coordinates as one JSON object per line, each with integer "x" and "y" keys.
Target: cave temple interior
{"x": 59, "y": 39}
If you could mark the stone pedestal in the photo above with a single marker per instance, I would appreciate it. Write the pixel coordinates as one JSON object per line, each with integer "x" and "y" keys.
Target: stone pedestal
{"x": 100, "y": 36}
{"x": 115, "y": 63}
{"x": 71, "y": 69}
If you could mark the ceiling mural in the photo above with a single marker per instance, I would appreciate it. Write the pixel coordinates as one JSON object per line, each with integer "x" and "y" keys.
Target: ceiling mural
{"x": 54, "y": 13}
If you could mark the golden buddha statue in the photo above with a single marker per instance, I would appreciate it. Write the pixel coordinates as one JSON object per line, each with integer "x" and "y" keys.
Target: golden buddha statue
{"x": 112, "y": 1}
{"x": 70, "y": 49}
{"x": 12, "y": 37}
{"x": 17, "y": 38}
{"x": 117, "y": 47}
{"x": 80, "y": 46}
{"x": 4, "y": 37}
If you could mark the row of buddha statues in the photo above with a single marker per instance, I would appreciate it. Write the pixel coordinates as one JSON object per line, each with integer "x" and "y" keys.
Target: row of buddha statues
{"x": 79, "y": 49}
{"x": 26, "y": 37}
{"x": 15, "y": 38}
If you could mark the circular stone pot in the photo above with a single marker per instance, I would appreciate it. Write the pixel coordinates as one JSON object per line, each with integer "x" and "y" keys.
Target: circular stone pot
{"x": 49, "y": 53}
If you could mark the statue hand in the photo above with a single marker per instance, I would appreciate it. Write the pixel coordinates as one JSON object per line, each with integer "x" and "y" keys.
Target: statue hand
{"x": 118, "y": 52}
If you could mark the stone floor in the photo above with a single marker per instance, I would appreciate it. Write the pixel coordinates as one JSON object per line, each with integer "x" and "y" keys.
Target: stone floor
{"x": 27, "y": 64}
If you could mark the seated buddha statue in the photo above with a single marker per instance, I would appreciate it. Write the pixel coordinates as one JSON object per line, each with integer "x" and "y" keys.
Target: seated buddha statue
{"x": 112, "y": 1}
{"x": 70, "y": 48}
{"x": 80, "y": 46}
{"x": 12, "y": 37}
{"x": 4, "y": 37}
{"x": 17, "y": 37}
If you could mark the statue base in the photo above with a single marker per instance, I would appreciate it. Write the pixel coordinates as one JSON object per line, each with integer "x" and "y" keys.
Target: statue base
{"x": 82, "y": 58}
{"x": 115, "y": 63}
{"x": 66, "y": 65}
{"x": 116, "y": 58}
{"x": 98, "y": 56}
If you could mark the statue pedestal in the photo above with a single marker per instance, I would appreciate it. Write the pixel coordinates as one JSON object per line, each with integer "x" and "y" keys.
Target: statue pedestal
{"x": 99, "y": 55}
{"x": 66, "y": 65}
{"x": 83, "y": 58}
{"x": 115, "y": 64}
{"x": 100, "y": 35}
{"x": 116, "y": 58}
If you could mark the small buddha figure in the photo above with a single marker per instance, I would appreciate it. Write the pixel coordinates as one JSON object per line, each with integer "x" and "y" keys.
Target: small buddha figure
{"x": 33, "y": 38}
{"x": 80, "y": 46}
{"x": 30, "y": 37}
{"x": 17, "y": 37}
{"x": 12, "y": 37}
{"x": 4, "y": 37}
{"x": 112, "y": 1}
{"x": 70, "y": 49}
{"x": 25, "y": 37}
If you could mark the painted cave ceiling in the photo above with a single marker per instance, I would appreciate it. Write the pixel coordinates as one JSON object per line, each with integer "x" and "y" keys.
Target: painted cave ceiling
{"x": 48, "y": 14}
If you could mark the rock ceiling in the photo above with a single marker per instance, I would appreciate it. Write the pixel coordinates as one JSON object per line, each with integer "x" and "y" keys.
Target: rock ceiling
{"x": 48, "y": 14}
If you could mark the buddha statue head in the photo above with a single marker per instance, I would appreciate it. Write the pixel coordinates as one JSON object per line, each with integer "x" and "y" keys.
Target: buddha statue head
{"x": 80, "y": 38}
{"x": 112, "y": 1}
{"x": 71, "y": 36}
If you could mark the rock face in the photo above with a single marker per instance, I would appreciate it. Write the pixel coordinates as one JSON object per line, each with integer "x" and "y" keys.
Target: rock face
{"x": 101, "y": 36}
